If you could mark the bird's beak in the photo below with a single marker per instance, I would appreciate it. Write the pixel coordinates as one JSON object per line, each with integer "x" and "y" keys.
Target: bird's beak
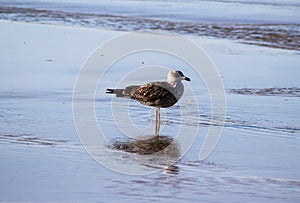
{"x": 186, "y": 78}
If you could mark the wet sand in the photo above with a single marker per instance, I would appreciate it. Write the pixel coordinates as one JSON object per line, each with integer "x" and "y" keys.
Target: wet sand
{"x": 42, "y": 158}
{"x": 283, "y": 36}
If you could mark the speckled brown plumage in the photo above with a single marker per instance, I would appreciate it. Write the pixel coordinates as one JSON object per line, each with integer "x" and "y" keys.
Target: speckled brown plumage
{"x": 154, "y": 94}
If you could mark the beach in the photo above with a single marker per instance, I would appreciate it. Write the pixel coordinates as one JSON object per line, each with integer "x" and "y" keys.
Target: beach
{"x": 42, "y": 156}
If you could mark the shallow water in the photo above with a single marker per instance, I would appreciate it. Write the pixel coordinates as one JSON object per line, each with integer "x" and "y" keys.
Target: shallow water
{"x": 43, "y": 160}
{"x": 44, "y": 153}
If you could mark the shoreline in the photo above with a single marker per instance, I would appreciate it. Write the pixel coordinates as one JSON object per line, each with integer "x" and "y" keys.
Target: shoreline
{"x": 274, "y": 35}
{"x": 215, "y": 48}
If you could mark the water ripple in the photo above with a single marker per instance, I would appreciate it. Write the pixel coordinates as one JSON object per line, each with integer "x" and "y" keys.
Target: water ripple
{"x": 26, "y": 139}
{"x": 274, "y": 91}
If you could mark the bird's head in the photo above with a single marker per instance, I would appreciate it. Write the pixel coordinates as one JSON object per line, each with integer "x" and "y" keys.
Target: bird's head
{"x": 175, "y": 76}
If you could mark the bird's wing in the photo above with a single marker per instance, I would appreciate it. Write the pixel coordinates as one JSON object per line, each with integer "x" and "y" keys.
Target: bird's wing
{"x": 155, "y": 94}
{"x": 130, "y": 89}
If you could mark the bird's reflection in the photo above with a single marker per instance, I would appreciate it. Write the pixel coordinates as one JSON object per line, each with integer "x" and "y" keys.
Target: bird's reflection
{"x": 145, "y": 146}
{"x": 171, "y": 169}
{"x": 162, "y": 152}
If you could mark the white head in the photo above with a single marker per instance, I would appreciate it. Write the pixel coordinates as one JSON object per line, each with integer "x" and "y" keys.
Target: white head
{"x": 175, "y": 76}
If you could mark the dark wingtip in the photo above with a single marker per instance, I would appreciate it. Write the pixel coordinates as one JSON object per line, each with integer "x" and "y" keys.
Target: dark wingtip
{"x": 109, "y": 91}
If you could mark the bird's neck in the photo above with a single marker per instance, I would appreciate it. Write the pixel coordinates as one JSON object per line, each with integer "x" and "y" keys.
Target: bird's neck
{"x": 177, "y": 88}
{"x": 173, "y": 82}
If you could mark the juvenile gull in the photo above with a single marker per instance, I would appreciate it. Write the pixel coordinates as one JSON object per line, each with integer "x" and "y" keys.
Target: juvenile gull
{"x": 156, "y": 94}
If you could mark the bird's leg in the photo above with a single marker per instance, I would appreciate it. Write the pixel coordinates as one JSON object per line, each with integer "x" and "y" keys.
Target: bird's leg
{"x": 157, "y": 122}
{"x": 158, "y": 128}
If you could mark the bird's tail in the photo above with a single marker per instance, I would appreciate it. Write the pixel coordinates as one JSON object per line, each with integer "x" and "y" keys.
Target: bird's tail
{"x": 117, "y": 92}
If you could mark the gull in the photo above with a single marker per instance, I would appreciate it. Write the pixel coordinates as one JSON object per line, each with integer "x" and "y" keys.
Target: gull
{"x": 155, "y": 94}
